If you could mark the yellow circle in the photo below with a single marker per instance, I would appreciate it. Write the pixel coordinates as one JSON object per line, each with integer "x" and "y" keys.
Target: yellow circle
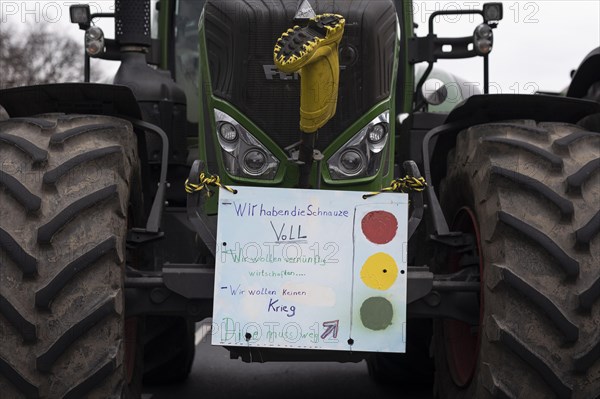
{"x": 379, "y": 271}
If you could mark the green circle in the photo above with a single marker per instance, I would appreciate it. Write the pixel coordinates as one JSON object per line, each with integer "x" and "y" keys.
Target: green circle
{"x": 376, "y": 313}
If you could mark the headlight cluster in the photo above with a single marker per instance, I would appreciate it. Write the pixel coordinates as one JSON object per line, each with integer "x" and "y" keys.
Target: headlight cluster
{"x": 94, "y": 41}
{"x": 361, "y": 156}
{"x": 243, "y": 154}
{"x": 483, "y": 39}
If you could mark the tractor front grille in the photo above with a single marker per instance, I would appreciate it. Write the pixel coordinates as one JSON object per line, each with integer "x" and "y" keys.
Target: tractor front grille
{"x": 241, "y": 35}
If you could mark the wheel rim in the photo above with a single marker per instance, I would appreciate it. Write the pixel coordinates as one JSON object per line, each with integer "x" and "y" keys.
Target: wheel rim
{"x": 462, "y": 348}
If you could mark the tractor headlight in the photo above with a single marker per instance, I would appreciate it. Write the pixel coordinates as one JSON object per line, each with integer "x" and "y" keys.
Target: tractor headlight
{"x": 483, "y": 39}
{"x": 243, "y": 154}
{"x": 352, "y": 162}
{"x": 255, "y": 161}
{"x": 94, "y": 41}
{"x": 228, "y": 132}
{"x": 377, "y": 133}
{"x": 361, "y": 156}
{"x": 80, "y": 14}
{"x": 492, "y": 11}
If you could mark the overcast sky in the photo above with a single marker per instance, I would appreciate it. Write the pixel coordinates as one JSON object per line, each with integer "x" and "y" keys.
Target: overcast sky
{"x": 536, "y": 45}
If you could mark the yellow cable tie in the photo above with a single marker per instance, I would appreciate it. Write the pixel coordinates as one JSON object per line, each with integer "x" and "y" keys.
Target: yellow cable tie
{"x": 402, "y": 185}
{"x": 204, "y": 182}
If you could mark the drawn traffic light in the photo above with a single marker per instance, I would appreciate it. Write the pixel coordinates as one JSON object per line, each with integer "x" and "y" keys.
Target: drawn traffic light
{"x": 379, "y": 283}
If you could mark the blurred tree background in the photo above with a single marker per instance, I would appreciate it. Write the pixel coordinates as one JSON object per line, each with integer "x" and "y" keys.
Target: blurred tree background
{"x": 38, "y": 56}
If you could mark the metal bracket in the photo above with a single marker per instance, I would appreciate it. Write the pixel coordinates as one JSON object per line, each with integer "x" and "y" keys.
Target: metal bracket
{"x": 440, "y": 225}
{"x": 429, "y": 48}
{"x": 188, "y": 290}
{"x": 179, "y": 290}
{"x": 412, "y": 169}
{"x": 455, "y": 239}
{"x": 190, "y": 281}
{"x": 154, "y": 219}
{"x": 451, "y": 296}
{"x": 137, "y": 236}
{"x": 206, "y": 230}
{"x": 419, "y": 283}
{"x": 160, "y": 301}
{"x": 455, "y": 305}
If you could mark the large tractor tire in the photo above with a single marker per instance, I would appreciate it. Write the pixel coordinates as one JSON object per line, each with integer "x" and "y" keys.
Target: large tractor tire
{"x": 169, "y": 348}
{"x": 529, "y": 195}
{"x": 64, "y": 199}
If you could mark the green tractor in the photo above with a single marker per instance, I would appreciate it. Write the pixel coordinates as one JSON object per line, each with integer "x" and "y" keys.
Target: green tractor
{"x": 114, "y": 200}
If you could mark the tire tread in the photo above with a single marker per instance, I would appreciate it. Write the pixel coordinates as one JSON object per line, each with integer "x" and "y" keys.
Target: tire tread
{"x": 26, "y": 262}
{"x": 33, "y": 151}
{"x": 52, "y": 176}
{"x": 71, "y": 252}
{"x": 60, "y": 138}
{"x": 30, "y": 201}
{"x": 45, "y": 361}
{"x": 18, "y": 321}
{"x": 569, "y": 329}
{"x": 45, "y": 295}
{"x": 533, "y": 190}
{"x": 47, "y": 231}
{"x": 578, "y": 179}
{"x": 554, "y": 160}
{"x": 536, "y": 362}
{"x": 564, "y": 205}
{"x": 26, "y": 387}
{"x": 96, "y": 378}
{"x": 569, "y": 265}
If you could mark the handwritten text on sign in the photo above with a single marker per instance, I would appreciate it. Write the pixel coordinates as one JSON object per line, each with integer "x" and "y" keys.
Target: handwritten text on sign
{"x": 311, "y": 269}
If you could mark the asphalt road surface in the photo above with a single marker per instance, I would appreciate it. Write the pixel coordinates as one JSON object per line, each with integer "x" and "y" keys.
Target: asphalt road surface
{"x": 215, "y": 376}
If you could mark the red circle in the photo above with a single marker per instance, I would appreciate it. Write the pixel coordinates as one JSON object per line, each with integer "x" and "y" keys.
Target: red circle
{"x": 379, "y": 227}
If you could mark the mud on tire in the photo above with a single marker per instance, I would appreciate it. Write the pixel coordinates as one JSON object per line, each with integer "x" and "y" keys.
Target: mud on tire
{"x": 535, "y": 191}
{"x": 64, "y": 192}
